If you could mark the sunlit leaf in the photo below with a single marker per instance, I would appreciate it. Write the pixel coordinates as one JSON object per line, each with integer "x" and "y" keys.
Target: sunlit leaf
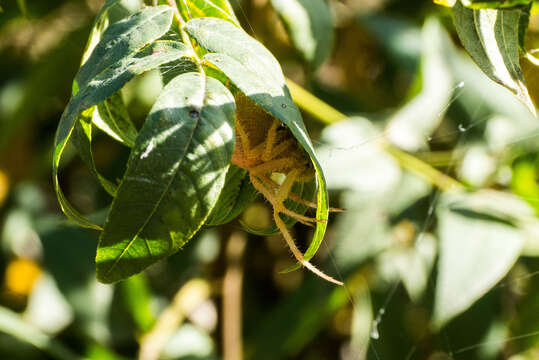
{"x": 254, "y": 70}
{"x": 448, "y": 3}
{"x": 495, "y": 4}
{"x": 82, "y": 139}
{"x": 174, "y": 176}
{"x": 114, "y": 61}
{"x": 112, "y": 118}
{"x": 310, "y": 26}
{"x": 221, "y": 9}
{"x": 111, "y": 12}
{"x": 491, "y": 37}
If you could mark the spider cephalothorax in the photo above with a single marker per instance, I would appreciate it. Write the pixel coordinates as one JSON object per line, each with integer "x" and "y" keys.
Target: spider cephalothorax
{"x": 265, "y": 146}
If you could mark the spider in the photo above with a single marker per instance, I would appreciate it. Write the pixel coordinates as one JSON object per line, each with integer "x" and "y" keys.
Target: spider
{"x": 265, "y": 146}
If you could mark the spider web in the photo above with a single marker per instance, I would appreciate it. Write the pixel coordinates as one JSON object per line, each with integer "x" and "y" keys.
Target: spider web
{"x": 378, "y": 321}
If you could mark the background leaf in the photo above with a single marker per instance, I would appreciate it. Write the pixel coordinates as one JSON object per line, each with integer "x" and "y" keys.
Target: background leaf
{"x": 477, "y": 239}
{"x": 411, "y": 126}
{"x": 309, "y": 24}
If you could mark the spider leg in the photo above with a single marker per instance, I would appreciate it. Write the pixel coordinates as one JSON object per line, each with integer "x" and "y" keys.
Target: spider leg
{"x": 270, "y": 141}
{"x": 276, "y": 165}
{"x": 277, "y": 195}
{"x": 259, "y": 185}
{"x": 276, "y": 204}
{"x": 295, "y": 197}
{"x": 297, "y": 254}
{"x": 244, "y": 138}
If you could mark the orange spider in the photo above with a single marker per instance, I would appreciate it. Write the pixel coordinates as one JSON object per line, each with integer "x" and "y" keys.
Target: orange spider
{"x": 265, "y": 146}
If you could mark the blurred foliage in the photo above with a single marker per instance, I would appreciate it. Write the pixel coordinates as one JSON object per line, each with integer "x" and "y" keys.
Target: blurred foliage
{"x": 430, "y": 274}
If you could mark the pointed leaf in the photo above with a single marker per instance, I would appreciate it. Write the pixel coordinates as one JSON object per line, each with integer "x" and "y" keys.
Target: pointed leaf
{"x": 111, "y": 12}
{"x": 174, "y": 176}
{"x": 310, "y": 26}
{"x": 479, "y": 243}
{"x": 254, "y": 70}
{"x": 410, "y": 127}
{"x": 491, "y": 37}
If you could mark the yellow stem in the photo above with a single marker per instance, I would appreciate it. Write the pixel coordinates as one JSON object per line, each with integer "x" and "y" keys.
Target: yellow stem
{"x": 329, "y": 115}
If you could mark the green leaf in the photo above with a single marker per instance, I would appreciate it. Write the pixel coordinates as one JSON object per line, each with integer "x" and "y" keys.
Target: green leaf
{"x": 122, "y": 39}
{"x": 479, "y": 243}
{"x": 491, "y": 37}
{"x": 237, "y": 194}
{"x": 254, "y": 70}
{"x": 114, "y": 61}
{"x": 221, "y": 9}
{"x": 310, "y": 26}
{"x": 111, "y": 12}
{"x": 523, "y": 24}
{"x": 111, "y": 114}
{"x": 174, "y": 176}
{"x": 495, "y": 4}
{"x": 82, "y": 139}
{"x": 137, "y": 298}
{"x": 112, "y": 118}
{"x": 410, "y": 126}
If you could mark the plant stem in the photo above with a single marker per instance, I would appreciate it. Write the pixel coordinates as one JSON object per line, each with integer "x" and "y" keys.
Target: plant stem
{"x": 186, "y": 300}
{"x": 232, "y": 303}
{"x": 313, "y": 105}
{"x": 329, "y": 115}
{"x": 422, "y": 169}
{"x": 185, "y": 37}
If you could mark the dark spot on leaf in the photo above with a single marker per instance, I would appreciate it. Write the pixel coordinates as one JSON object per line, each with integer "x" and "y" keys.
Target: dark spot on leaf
{"x": 283, "y": 106}
{"x": 194, "y": 114}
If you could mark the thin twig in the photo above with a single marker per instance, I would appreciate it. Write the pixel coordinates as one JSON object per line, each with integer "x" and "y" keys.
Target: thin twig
{"x": 232, "y": 304}
{"x": 187, "y": 299}
{"x": 329, "y": 115}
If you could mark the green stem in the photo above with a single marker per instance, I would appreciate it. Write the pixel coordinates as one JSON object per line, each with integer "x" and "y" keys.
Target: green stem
{"x": 423, "y": 170}
{"x": 185, "y": 37}
{"x": 329, "y": 115}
